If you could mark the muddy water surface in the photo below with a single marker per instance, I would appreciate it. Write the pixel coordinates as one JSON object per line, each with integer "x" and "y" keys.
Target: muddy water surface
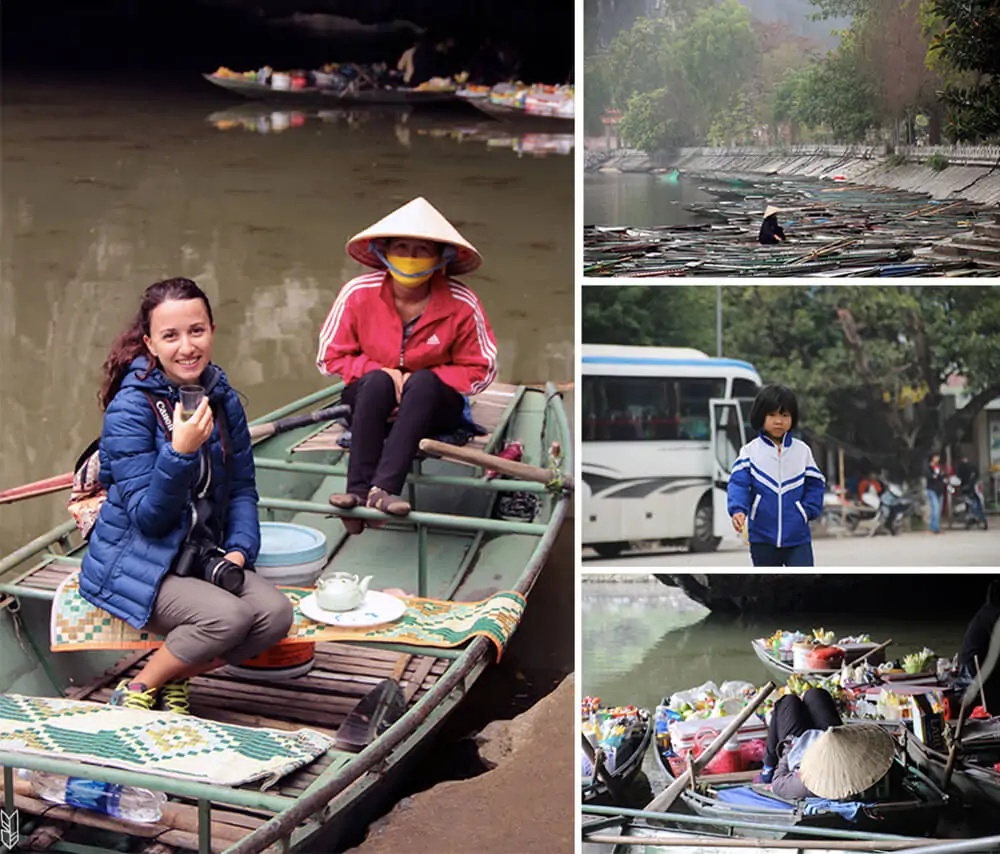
{"x": 110, "y": 186}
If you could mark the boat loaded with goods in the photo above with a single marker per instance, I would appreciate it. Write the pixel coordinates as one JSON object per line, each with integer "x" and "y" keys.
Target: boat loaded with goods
{"x": 614, "y": 743}
{"x": 545, "y": 105}
{"x": 710, "y": 741}
{"x": 296, "y": 747}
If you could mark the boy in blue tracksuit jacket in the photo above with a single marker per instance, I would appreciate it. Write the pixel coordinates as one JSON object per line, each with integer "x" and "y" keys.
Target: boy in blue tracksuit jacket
{"x": 775, "y": 486}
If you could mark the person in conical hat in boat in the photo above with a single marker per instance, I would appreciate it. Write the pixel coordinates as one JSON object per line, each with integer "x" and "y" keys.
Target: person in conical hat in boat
{"x": 770, "y": 230}
{"x": 408, "y": 340}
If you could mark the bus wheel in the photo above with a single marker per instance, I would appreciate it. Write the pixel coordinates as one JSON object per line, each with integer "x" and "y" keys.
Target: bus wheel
{"x": 608, "y": 550}
{"x": 704, "y": 525}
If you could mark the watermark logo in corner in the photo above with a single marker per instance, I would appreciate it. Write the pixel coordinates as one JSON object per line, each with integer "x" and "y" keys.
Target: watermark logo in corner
{"x": 10, "y": 829}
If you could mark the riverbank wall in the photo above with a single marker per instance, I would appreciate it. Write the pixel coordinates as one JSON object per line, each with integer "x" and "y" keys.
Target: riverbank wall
{"x": 972, "y": 173}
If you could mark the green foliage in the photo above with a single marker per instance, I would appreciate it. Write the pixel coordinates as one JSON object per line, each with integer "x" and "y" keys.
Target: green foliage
{"x": 837, "y": 94}
{"x": 734, "y": 124}
{"x": 965, "y": 39}
{"x": 867, "y": 364}
{"x": 649, "y": 316}
{"x": 645, "y": 124}
{"x": 895, "y": 160}
{"x": 937, "y": 162}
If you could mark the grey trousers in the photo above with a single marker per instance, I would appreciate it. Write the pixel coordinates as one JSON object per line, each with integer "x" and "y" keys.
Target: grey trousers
{"x": 202, "y": 621}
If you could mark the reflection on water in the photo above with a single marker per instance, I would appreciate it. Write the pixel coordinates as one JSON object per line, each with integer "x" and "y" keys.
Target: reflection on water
{"x": 640, "y": 199}
{"x": 107, "y": 190}
{"x": 261, "y": 118}
{"x": 643, "y": 640}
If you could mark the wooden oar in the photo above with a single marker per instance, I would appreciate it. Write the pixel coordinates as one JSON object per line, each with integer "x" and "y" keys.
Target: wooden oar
{"x": 282, "y": 425}
{"x": 522, "y": 471}
{"x": 870, "y": 652}
{"x": 39, "y": 487}
{"x": 663, "y": 801}
{"x": 257, "y": 432}
{"x": 374, "y": 713}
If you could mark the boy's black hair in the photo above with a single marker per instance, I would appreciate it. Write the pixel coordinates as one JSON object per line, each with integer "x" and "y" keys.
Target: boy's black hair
{"x": 773, "y": 398}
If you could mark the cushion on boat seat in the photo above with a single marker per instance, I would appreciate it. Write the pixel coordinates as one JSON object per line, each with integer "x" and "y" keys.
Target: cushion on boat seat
{"x": 746, "y": 796}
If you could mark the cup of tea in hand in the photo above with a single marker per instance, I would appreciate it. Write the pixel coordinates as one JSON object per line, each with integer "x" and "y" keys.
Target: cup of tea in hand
{"x": 191, "y": 397}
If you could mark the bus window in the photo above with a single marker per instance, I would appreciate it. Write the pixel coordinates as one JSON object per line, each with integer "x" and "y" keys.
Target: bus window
{"x": 630, "y": 409}
{"x": 728, "y": 439}
{"x": 744, "y": 389}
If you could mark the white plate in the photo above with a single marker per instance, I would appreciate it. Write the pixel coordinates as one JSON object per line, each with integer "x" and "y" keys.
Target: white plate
{"x": 376, "y": 609}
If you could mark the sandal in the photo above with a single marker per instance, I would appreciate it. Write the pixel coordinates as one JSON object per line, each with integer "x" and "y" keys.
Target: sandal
{"x": 382, "y": 500}
{"x": 353, "y": 526}
{"x": 346, "y": 500}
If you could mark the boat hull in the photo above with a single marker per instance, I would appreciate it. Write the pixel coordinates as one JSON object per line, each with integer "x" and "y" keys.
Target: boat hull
{"x": 325, "y": 97}
{"x": 596, "y": 792}
{"x": 465, "y": 553}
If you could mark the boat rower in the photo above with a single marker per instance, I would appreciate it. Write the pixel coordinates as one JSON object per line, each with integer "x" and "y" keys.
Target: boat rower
{"x": 770, "y": 231}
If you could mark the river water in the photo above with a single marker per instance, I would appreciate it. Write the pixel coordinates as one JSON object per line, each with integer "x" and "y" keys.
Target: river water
{"x": 110, "y": 186}
{"x": 642, "y": 641}
{"x": 639, "y": 199}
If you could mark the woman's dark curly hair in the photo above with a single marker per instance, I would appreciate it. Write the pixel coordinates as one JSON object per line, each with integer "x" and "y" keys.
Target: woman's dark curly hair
{"x": 129, "y": 342}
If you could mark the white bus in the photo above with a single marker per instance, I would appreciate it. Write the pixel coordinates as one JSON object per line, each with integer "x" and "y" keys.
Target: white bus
{"x": 661, "y": 429}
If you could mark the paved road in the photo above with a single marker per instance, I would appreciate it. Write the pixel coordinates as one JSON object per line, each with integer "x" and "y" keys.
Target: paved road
{"x": 951, "y": 548}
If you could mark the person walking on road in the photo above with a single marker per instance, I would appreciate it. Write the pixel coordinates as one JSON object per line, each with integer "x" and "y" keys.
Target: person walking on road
{"x": 934, "y": 474}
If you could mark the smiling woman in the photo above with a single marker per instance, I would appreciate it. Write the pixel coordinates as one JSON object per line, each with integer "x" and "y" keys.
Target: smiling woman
{"x": 181, "y": 507}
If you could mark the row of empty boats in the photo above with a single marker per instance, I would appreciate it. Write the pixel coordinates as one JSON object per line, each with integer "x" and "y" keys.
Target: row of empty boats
{"x": 832, "y": 230}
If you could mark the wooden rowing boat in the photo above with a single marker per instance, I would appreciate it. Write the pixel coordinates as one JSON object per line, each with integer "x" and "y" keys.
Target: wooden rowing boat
{"x": 912, "y": 808}
{"x": 974, "y": 780}
{"x": 320, "y": 97}
{"x": 455, "y": 545}
{"x": 628, "y": 764}
{"x": 782, "y": 669}
{"x": 524, "y": 121}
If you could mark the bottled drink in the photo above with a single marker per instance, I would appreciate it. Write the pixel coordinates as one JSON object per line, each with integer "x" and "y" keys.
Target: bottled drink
{"x": 126, "y": 802}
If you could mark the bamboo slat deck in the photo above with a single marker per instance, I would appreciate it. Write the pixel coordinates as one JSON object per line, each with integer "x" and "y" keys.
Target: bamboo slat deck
{"x": 486, "y": 411}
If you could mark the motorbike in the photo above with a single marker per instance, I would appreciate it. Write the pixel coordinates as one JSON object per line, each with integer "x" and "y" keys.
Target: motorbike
{"x": 966, "y": 504}
{"x": 894, "y": 509}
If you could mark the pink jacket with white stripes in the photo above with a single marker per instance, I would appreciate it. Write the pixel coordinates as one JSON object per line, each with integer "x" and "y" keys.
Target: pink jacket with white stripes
{"x": 363, "y": 332}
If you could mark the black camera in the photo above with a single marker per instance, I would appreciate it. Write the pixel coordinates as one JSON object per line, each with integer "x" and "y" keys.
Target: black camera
{"x": 208, "y": 562}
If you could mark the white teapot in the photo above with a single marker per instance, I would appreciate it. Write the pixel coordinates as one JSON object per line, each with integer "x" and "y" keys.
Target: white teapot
{"x": 341, "y": 591}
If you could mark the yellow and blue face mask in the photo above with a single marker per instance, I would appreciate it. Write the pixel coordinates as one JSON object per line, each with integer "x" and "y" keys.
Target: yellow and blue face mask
{"x": 413, "y": 272}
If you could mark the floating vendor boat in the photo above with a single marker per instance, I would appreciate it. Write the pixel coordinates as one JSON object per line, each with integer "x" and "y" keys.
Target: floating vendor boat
{"x": 911, "y": 806}
{"x": 471, "y": 551}
{"x": 342, "y": 84}
{"x": 622, "y": 735}
{"x": 539, "y": 106}
{"x": 787, "y": 654}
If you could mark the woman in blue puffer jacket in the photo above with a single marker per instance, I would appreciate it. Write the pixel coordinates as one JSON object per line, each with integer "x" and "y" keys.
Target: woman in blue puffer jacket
{"x": 177, "y": 487}
{"x": 775, "y": 486}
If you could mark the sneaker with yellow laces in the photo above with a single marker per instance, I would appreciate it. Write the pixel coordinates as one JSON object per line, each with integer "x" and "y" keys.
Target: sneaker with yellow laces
{"x": 176, "y": 697}
{"x": 133, "y": 695}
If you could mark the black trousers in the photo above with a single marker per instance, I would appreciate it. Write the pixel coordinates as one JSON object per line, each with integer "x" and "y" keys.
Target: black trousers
{"x": 381, "y": 453}
{"x": 793, "y": 716}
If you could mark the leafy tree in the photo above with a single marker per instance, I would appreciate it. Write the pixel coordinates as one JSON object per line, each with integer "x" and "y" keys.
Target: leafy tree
{"x": 649, "y": 316}
{"x": 867, "y": 364}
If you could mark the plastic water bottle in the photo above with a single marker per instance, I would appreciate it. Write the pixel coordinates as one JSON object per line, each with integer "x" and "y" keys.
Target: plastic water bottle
{"x": 126, "y": 802}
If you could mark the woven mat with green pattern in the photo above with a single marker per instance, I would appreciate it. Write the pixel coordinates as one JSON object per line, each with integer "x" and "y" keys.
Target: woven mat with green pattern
{"x": 77, "y": 625}
{"x": 164, "y": 743}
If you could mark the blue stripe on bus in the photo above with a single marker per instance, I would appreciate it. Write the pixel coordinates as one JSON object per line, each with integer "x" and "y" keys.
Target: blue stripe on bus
{"x": 646, "y": 360}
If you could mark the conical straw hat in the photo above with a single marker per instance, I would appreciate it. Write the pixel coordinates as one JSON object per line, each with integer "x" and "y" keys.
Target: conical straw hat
{"x": 846, "y": 760}
{"x": 771, "y": 209}
{"x": 421, "y": 220}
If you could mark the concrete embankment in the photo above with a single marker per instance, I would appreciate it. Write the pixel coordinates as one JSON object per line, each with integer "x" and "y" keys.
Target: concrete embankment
{"x": 973, "y": 173}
